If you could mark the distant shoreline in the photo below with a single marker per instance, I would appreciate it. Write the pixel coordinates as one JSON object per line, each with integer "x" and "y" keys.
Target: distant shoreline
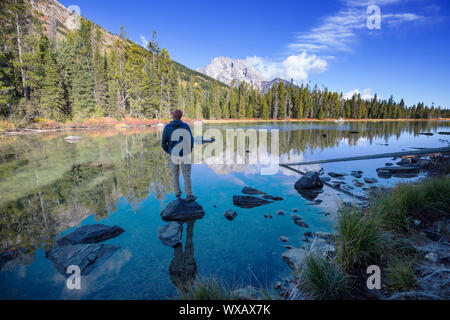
{"x": 48, "y": 126}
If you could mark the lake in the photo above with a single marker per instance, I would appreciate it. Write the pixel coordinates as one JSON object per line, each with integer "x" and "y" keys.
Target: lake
{"x": 49, "y": 186}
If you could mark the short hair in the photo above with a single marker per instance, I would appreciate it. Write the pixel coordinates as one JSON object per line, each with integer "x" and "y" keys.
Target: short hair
{"x": 177, "y": 114}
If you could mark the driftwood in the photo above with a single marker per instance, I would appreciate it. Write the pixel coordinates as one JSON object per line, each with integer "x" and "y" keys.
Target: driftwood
{"x": 376, "y": 156}
{"x": 379, "y": 156}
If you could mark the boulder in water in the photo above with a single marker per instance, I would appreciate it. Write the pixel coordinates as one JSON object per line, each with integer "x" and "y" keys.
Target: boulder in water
{"x": 182, "y": 210}
{"x": 170, "y": 234}
{"x": 93, "y": 233}
{"x": 86, "y": 256}
{"x": 248, "y": 202}
{"x": 251, "y": 191}
{"x": 310, "y": 180}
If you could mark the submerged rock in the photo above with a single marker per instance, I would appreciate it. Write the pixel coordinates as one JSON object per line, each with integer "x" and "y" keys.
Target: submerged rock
{"x": 86, "y": 256}
{"x": 170, "y": 234}
{"x": 251, "y": 191}
{"x": 370, "y": 180}
{"x": 395, "y": 170}
{"x": 284, "y": 239}
{"x": 404, "y": 162}
{"x": 267, "y": 197}
{"x": 336, "y": 175}
{"x": 248, "y": 202}
{"x": 182, "y": 210}
{"x": 294, "y": 258}
{"x": 310, "y": 180}
{"x": 299, "y": 221}
{"x": 230, "y": 215}
{"x": 94, "y": 233}
{"x": 384, "y": 174}
{"x": 281, "y": 212}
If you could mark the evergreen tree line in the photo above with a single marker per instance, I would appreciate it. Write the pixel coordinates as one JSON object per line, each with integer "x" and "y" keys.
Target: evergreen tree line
{"x": 82, "y": 77}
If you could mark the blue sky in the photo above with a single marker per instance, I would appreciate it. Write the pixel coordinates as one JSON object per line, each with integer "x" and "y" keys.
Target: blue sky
{"x": 324, "y": 42}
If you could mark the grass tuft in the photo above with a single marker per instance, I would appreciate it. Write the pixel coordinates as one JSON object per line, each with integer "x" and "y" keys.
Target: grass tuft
{"x": 322, "y": 279}
{"x": 361, "y": 239}
{"x": 428, "y": 200}
{"x": 205, "y": 289}
{"x": 401, "y": 275}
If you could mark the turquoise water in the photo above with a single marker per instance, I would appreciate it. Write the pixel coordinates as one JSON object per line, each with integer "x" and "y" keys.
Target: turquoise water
{"x": 48, "y": 187}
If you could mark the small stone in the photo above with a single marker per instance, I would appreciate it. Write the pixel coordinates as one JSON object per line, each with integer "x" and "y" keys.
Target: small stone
{"x": 433, "y": 257}
{"x": 370, "y": 180}
{"x": 230, "y": 215}
{"x": 336, "y": 175}
{"x": 170, "y": 234}
{"x": 284, "y": 239}
{"x": 281, "y": 212}
{"x": 295, "y": 210}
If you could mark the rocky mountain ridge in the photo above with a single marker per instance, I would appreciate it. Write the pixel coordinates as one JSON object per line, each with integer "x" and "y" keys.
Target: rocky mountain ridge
{"x": 226, "y": 69}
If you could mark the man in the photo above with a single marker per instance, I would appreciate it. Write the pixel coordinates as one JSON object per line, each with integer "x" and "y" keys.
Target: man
{"x": 181, "y": 130}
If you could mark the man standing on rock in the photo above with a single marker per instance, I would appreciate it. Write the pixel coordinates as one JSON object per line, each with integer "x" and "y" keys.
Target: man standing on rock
{"x": 178, "y": 142}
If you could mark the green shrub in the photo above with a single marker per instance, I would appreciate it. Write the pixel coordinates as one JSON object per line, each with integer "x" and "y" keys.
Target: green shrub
{"x": 360, "y": 239}
{"x": 323, "y": 279}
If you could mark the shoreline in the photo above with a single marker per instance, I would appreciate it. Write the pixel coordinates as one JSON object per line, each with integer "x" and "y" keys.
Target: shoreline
{"x": 47, "y": 126}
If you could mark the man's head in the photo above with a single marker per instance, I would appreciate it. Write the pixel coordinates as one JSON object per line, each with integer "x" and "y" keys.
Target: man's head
{"x": 177, "y": 114}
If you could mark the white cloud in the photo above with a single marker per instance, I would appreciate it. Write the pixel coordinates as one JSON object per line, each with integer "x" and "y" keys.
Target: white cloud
{"x": 366, "y": 94}
{"x": 296, "y": 67}
{"x": 144, "y": 41}
{"x": 341, "y": 30}
{"x": 309, "y": 52}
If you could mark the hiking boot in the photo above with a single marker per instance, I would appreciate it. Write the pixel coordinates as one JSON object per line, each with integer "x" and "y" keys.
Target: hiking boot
{"x": 191, "y": 198}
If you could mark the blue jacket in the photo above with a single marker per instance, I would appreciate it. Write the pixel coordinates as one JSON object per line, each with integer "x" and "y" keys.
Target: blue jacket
{"x": 167, "y": 143}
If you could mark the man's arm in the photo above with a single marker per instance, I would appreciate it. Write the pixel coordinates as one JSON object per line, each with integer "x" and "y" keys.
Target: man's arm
{"x": 165, "y": 140}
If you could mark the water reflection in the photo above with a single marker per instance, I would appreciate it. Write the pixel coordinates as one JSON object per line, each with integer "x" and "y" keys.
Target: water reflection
{"x": 48, "y": 185}
{"x": 183, "y": 268}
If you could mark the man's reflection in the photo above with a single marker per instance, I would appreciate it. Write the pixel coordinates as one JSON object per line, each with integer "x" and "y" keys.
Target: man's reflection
{"x": 183, "y": 268}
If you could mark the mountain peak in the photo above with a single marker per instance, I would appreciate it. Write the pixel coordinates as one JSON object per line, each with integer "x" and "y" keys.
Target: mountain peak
{"x": 226, "y": 69}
